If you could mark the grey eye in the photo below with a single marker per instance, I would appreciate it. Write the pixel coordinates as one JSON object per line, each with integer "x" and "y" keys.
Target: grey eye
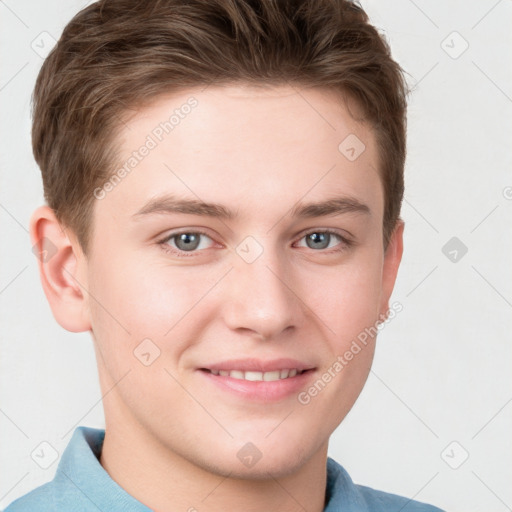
{"x": 319, "y": 240}
{"x": 187, "y": 241}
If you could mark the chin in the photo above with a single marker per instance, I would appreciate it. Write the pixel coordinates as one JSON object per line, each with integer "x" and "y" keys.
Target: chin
{"x": 249, "y": 463}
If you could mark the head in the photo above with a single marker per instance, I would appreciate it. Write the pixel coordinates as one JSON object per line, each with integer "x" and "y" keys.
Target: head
{"x": 224, "y": 182}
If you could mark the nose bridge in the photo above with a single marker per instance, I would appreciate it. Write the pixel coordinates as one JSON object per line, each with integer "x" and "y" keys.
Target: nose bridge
{"x": 260, "y": 294}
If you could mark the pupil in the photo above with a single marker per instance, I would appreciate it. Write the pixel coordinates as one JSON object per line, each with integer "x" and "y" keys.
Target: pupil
{"x": 320, "y": 240}
{"x": 187, "y": 241}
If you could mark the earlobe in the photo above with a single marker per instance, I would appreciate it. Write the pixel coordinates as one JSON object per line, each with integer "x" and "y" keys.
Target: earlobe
{"x": 61, "y": 269}
{"x": 392, "y": 259}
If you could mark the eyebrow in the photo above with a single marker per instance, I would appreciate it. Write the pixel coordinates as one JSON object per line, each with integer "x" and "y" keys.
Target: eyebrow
{"x": 170, "y": 204}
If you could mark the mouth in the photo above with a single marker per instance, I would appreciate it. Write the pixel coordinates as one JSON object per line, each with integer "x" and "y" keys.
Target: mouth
{"x": 254, "y": 376}
{"x": 257, "y": 381}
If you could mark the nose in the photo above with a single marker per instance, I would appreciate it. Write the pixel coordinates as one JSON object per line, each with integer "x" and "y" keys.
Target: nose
{"x": 261, "y": 299}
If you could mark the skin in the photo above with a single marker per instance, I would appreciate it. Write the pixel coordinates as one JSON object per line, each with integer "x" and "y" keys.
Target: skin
{"x": 172, "y": 437}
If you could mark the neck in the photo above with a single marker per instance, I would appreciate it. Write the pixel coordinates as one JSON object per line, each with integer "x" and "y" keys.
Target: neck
{"x": 163, "y": 480}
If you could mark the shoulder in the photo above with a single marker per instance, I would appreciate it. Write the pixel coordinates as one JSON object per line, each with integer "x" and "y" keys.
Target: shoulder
{"x": 343, "y": 493}
{"x": 386, "y": 502}
{"x": 53, "y": 496}
{"x": 80, "y": 483}
{"x": 39, "y": 499}
{"x": 65, "y": 492}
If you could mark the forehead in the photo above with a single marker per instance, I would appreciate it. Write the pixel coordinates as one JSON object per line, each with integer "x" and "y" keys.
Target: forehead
{"x": 253, "y": 148}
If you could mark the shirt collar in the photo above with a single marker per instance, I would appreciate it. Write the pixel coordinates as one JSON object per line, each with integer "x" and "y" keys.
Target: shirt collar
{"x": 79, "y": 470}
{"x": 341, "y": 493}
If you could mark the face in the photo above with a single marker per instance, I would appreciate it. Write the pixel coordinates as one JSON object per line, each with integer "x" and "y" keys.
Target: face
{"x": 203, "y": 313}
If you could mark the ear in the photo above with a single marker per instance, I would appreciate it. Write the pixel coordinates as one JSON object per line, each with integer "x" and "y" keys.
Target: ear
{"x": 62, "y": 268}
{"x": 392, "y": 258}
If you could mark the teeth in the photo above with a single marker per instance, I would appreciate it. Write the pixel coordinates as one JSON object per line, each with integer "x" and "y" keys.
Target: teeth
{"x": 252, "y": 376}
{"x": 271, "y": 376}
{"x": 258, "y": 376}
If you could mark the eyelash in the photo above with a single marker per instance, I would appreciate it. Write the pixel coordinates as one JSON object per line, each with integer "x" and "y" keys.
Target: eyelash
{"x": 346, "y": 243}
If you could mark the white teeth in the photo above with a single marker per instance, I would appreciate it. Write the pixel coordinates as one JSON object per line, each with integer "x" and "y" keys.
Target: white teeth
{"x": 271, "y": 376}
{"x": 253, "y": 376}
{"x": 258, "y": 376}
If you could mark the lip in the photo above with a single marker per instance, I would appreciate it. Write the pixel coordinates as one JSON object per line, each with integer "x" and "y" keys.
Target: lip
{"x": 259, "y": 391}
{"x": 259, "y": 365}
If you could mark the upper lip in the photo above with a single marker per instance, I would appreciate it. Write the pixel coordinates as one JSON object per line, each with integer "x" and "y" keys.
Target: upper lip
{"x": 259, "y": 365}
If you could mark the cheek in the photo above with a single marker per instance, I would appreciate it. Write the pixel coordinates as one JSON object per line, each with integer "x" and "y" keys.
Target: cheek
{"x": 349, "y": 307}
{"x": 347, "y": 299}
{"x": 135, "y": 299}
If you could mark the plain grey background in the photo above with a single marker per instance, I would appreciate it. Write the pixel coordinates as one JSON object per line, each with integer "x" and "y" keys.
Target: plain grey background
{"x": 434, "y": 420}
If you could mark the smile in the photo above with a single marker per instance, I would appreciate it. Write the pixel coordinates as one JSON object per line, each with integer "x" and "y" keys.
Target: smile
{"x": 255, "y": 385}
{"x": 271, "y": 376}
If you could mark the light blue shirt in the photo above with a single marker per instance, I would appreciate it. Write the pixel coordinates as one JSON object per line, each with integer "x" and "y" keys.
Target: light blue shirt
{"x": 82, "y": 485}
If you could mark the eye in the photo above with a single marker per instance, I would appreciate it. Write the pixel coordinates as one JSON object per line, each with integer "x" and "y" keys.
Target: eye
{"x": 184, "y": 241}
{"x": 191, "y": 242}
{"x": 321, "y": 239}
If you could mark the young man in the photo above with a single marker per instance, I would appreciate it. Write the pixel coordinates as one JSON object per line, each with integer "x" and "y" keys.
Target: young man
{"x": 224, "y": 182}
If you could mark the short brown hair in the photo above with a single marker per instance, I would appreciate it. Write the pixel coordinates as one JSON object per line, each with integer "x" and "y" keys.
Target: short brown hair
{"x": 115, "y": 55}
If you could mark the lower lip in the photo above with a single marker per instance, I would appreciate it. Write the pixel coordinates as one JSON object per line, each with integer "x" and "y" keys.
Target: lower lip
{"x": 266, "y": 391}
